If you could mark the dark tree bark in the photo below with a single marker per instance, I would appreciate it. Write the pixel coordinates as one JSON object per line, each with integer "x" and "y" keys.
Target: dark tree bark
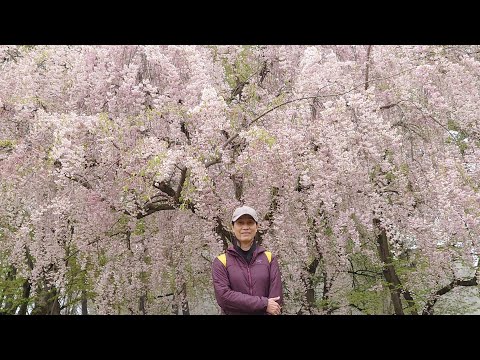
{"x": 47, "y": 303}
{"x": 184, "y": 300}
{"x": 84, "y": 303}
{"x": 9, "y": 298}
{"x": 25, "y": 295}
{"x": 388, "y": 271}
{"x": 141, "y": 304}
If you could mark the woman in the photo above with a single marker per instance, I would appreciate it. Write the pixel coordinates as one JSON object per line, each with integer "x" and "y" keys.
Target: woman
{"x": 247, "y": 278}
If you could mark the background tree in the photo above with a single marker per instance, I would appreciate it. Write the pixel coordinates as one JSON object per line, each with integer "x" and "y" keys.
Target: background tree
{"x": 121, "y": 165}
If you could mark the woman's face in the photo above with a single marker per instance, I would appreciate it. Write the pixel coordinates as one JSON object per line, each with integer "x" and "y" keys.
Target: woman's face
{"x": 245, "y": 228}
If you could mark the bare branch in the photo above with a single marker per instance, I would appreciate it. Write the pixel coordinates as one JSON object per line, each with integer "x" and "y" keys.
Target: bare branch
{"x": 428, "y": 308}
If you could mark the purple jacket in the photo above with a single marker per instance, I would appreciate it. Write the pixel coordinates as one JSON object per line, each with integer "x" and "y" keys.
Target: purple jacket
{"x": 242, "y": 288}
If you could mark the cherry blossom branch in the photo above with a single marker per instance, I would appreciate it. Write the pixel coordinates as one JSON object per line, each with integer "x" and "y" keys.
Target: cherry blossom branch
{"x": 431, "y": 117}
{"x": 80, "y": 179}
{"x": 367, "y": 67}
{"x": 234, "y": 136}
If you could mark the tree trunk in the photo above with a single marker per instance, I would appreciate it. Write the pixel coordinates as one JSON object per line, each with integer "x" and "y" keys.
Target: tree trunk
{"x": 84, "y": 303}
{"x": 141, "y": 304}
{"x": 25, "y": 296}
{"x": 175, "y": 304}
{"x": 238, "y": 185}
{"x": 388, "y": 269}
{"x": 48, "y": 303}
{"x": 9, "y": 309}
{"x": 309, "y": 302}
{"x": 184, "y": 300}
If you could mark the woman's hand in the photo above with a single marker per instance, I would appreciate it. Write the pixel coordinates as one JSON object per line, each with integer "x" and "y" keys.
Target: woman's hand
{"x": 273, "y": 307}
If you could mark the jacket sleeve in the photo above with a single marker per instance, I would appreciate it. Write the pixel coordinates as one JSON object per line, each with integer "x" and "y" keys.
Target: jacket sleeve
{"x": 275, "y": 281}
{"x": 230, "y": 300}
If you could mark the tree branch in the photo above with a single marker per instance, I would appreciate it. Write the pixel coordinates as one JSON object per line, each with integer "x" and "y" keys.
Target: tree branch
{"x": 79, "y": 178}
{"x": 428, "y": 308}
{"x": 222, "y": 232}
{"x": 165, "y": 188}
{"x": 183, "y": 176}
{"x": 234, "y": 136}
{"x": 432, "y": 118}
{"x": 152, "y": 207}
{"x": 362, "y": 274}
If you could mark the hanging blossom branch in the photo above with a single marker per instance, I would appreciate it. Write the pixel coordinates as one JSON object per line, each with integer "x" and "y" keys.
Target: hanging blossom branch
{"x": 151, "y": 208}
{"x": 433, "y": 298}
{"x": 385, "y": 107}
{"x": 155, "y": 206}
{"x": 432, "y": 118}
{"x": 367, "y": 67}
{"x": 234, "y": 136}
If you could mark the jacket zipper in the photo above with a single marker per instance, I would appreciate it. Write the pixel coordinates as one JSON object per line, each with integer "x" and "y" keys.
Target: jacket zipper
{"x": 250, "y": 287}
{"x": 249, "y": 280}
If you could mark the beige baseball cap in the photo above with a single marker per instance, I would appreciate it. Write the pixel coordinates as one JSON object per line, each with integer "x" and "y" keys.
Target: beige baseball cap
{"x": 244, "y": 210}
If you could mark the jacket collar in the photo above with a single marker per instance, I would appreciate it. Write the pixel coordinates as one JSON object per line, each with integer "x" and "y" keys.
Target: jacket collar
{"x": 259, "y": 249}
